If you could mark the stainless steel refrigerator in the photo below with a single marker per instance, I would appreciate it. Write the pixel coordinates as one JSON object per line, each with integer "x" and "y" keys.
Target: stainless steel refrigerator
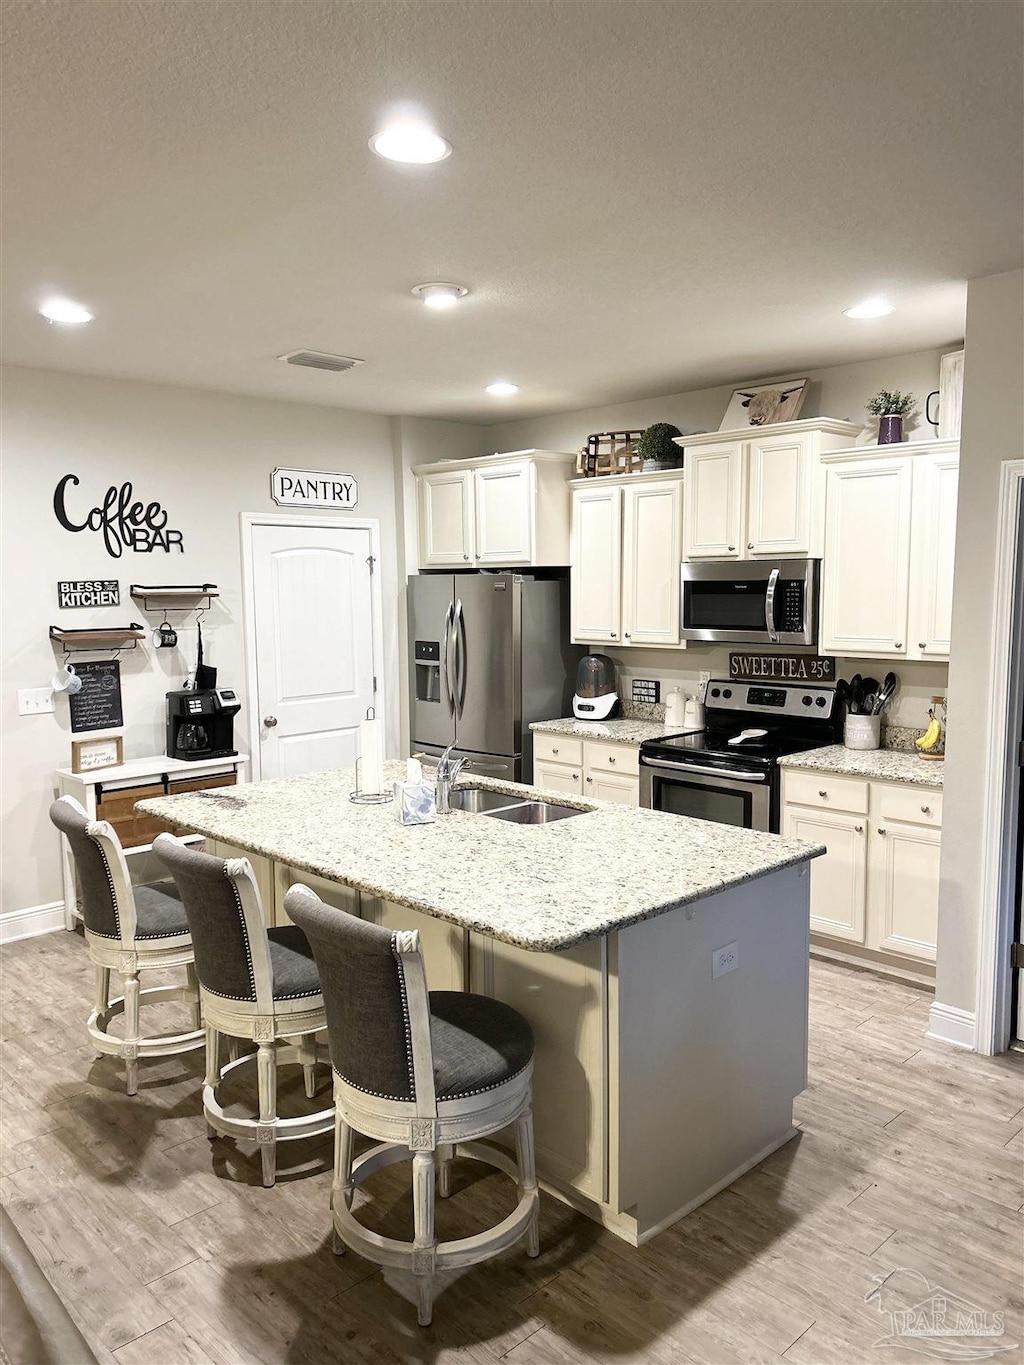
{"x": 489, "y": 653}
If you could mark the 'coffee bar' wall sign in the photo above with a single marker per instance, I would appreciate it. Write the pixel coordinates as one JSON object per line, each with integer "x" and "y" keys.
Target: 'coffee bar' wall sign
{"x": 313, "y": 488}
{"x": 126, "y": 525}
{"x": 89, "y": 592}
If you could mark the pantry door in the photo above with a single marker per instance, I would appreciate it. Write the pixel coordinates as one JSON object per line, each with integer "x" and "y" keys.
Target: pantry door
{"x": 312, "y": 641}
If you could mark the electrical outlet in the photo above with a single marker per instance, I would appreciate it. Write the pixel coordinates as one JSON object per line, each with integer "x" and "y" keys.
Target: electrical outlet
{"x": 725, "y": 959}
{"x": 35, "y": 701}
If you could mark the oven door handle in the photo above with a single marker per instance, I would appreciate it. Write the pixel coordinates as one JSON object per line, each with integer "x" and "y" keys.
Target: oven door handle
{"x": 703, "y": 772}
{"x": 769, "y": 606}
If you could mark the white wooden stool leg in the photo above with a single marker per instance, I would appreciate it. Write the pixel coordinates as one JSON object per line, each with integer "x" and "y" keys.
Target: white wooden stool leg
{"x": 528, "y": 1177}
{"x": 102, "y": 989}
{"x": 266, "y": 1069}
{"x": 445, "y": 1153}
{"x": 234, "y": 1049}
{"x": 212, "y": 1068}
{"x": 195, "y": 1009}
{"x": 131, "y": 1031}
{"x": 425, "y": 1242}
{"x": 307, "y": 1056}
{"x": 342, "y": 1187}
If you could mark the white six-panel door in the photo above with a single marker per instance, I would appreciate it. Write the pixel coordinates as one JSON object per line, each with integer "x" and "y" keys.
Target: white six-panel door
{"x": 313, "y": 632}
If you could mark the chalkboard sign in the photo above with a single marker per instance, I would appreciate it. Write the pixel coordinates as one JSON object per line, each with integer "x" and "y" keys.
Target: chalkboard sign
{"x": 98, "y": 705}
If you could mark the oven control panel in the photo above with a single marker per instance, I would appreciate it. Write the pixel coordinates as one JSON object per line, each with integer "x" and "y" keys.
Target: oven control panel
{"x": 793, "y": 699}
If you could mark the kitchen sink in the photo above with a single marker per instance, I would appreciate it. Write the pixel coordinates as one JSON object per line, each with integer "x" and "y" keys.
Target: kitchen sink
{"x": 534, "y": 812}
{"x": 479, "y": 800}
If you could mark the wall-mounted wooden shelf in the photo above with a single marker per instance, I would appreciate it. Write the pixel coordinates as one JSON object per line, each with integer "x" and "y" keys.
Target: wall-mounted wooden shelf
{"x": 111, "y": 637}
{"x": 174, "y": 596}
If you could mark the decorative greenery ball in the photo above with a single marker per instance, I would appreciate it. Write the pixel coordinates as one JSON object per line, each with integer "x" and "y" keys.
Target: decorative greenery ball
{"x": 886, "y": 404}
{"x": 656, "y": 443}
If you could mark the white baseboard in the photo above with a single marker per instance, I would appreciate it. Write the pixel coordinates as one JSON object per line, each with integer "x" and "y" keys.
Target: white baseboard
{"x": 33, "y": 920}
{"x": 948, "y": 1024}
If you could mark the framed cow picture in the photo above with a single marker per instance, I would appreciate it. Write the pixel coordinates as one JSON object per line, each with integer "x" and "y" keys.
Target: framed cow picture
{"x": 762, "y": 405}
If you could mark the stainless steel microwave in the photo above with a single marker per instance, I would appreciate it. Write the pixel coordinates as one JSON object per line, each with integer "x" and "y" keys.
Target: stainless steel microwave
{"x": 751, "y": 601}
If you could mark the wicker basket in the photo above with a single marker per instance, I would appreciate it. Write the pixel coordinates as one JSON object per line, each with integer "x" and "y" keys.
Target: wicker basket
{"x": 609, "y": 452}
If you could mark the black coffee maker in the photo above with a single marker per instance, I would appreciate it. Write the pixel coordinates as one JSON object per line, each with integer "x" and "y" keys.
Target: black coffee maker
{"x": 201, "y": 723}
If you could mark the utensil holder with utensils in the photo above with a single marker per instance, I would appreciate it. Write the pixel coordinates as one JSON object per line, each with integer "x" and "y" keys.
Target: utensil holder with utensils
{"x": 862, "y": 732}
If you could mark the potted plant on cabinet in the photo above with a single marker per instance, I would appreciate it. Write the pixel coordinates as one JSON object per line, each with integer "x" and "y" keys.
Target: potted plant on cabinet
{"x": 890, "y": 409}
{"x": 657, "y": 449}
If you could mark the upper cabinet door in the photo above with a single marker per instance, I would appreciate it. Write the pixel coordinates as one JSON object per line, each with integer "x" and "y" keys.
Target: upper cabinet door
{"x": 505, "y": 514}
{"x": 867, "y": 558}
{"x": 935, "y": 493}
{"x": 652, "y": 552}
{"x": 597, "y": 564}
{"x": 714, "y": 502}
{"x": 779, "y": 498}
{"x": 446, "y": 518}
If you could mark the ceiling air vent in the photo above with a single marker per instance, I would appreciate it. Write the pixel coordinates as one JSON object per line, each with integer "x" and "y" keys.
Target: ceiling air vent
{"x": 320, "y": 360}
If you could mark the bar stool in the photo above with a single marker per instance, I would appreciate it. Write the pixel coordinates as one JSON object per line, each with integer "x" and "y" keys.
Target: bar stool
{"x": 257, "y": 984}
{"x": 429, "y": 1073}
{"x": 128, "y": 930}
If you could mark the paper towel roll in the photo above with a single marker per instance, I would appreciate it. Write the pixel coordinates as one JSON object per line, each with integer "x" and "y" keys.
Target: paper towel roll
{"x": 371, "y": 757}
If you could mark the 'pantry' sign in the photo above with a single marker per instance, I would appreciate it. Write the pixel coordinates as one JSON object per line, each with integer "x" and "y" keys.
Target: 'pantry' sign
{"x": 313, "y": 488}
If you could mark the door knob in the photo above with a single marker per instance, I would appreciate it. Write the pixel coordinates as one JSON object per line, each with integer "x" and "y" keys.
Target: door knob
{"x": 270, "y": 722}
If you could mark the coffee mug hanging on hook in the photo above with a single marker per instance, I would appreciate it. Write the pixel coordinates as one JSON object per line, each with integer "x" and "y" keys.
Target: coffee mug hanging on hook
{"x": 165, "y": 636}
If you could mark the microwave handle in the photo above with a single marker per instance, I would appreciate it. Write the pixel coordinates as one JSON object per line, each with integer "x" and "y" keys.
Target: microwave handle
{"x": 769, "y": 606}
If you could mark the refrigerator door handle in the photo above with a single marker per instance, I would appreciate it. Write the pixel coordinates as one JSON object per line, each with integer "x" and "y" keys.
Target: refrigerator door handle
{"x": 460, "y": 658}
{"x": 446, "y": 673}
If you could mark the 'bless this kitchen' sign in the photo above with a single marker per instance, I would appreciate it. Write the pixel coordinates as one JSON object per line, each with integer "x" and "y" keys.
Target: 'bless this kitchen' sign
{"x": 313, "y": 488}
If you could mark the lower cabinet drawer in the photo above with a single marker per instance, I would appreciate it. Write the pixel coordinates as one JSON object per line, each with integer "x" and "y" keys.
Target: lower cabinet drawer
{"x": 557, "y": 749}
{"x": 612, "y": 758}
{"x": 826, "y": 791}
{"x": 917, "y": 805}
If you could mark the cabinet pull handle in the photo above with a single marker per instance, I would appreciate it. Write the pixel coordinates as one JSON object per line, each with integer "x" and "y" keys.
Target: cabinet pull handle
{"x": 823, "y": 793}
{"x": 926, "y": 810}
{"x": 858, "y": 829}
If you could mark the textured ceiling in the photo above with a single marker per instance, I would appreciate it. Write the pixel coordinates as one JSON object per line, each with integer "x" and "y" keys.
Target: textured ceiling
{"x": 643, "y": 197}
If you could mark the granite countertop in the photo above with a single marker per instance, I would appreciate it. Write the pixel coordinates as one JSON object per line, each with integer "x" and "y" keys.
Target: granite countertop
{"x": 622, "y": 730}
{"x": 542, "y": 887}
{"x": 884, "y": 765}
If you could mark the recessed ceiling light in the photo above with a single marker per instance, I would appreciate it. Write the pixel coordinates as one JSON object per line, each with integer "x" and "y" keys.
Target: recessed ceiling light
{"x": 66, "y": 311}
{"x": 410, "y": 141}
{"x": 440, "y": 295}
{"x": 501, "y": 388}
{"x": 870, "y": 308}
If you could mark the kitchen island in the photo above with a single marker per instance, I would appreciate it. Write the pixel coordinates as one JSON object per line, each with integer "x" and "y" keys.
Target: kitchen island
{"x": 662, "y": 963}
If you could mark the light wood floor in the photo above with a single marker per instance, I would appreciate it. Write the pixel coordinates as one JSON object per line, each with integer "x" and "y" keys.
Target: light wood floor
{"x": 907, "y": 1178}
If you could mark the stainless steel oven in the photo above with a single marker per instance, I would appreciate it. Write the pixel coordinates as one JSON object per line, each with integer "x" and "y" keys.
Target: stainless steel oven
{"x": 751, "y": 601}
{"x": 727, "y": 798}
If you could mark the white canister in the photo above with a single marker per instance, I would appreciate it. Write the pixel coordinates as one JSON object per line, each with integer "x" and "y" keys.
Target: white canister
{"x": 862, "y": 732}
{"x": 675, "y": 708}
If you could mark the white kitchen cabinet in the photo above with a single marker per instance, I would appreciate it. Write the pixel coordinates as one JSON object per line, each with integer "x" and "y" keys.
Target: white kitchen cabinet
{"x": 759, "y": 492}
{"x": 890, "y": 531}
{"x": 597, "y": 563}
{"x": 606, "y": 771}
{"x": 619, "y": 787}
{"x": 504, "y": 510}
{"x": 626, "y": 552}
{"x": 446, "y": 519}
{"x": 652, "y": 549}
{"x": 560, "y": 777}
{"x": 877, "y": 887}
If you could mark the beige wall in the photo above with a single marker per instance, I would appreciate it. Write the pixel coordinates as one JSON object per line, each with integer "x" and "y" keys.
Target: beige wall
{"x": 206, "y": 457}
{"x": 993, "y": 432}
{"x": 840, "y": 391}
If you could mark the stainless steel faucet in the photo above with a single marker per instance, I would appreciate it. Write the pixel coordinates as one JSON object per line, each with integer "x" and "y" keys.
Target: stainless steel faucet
{"x": 448, "y": 770}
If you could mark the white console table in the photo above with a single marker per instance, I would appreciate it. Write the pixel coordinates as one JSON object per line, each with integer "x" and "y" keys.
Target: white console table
{"x": 170, "y": 774}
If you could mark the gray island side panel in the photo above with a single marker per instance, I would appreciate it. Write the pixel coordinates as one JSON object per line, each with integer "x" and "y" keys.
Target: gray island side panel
{"x": 544, "y": 888}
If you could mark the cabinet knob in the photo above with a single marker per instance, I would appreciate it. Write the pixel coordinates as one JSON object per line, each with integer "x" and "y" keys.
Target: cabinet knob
{"x": 465, "y": 556}
{"x": 823, "y": 793}
{"x": 858, "y": 829}
{"x": 921, "y": 644}
{"x": 732, "y": 547}
{"x": 575, "y": 777}
{"x": 881, "y": 830}
{"x": 898, "y": 644}
{"x": 554, "y": 751}
{"x": 926, "y": 810}
{"x": 270, "y": 722}
{"x": 750, "y": 545}
{"x": 611, "y": 760}
{"x": 590, "y": 779}
{"x": 628, "y": 636}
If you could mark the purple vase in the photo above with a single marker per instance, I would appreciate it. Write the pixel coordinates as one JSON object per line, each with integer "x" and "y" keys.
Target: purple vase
{"x": 890, "y": 430}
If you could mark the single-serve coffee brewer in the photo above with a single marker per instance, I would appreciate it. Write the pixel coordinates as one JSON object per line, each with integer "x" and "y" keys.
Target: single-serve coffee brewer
{"x": 201, "y": 723}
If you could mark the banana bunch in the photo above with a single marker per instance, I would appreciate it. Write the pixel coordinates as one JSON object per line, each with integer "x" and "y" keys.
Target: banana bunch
{"x": 930, "y": 739}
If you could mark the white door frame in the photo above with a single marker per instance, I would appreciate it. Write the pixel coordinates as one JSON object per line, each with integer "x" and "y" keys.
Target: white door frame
{"x": 247, "y": 520}
{"x": 999, "y": 817}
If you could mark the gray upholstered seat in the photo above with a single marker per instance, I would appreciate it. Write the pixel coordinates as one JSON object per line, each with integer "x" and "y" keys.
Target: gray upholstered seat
{"x": 292, "y": 963}
{"x": 160, "y": 911}
{"x": 478, "y": 1043}
{"x": 128, "y": 929}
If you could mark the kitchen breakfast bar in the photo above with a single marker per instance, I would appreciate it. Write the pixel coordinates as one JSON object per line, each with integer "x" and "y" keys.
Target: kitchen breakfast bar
{"x": 662, "y": 963}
